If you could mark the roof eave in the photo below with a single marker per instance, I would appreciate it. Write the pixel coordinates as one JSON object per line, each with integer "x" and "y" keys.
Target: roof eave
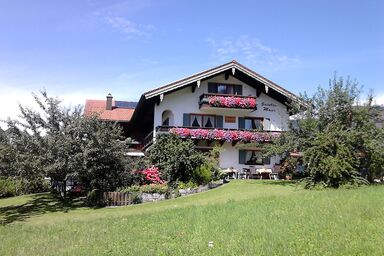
{"x": 205, "y": 74}
{"x": 191, "y": 79}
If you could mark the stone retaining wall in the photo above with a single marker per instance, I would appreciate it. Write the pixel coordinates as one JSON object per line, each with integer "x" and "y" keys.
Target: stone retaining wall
{"x": 148, "y": 197}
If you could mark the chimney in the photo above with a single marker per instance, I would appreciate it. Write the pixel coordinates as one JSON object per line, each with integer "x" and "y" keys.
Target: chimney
{"x": 109, "y": 102}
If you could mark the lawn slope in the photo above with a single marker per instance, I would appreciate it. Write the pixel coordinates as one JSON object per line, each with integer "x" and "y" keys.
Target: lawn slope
{"x": 240, "y": 218}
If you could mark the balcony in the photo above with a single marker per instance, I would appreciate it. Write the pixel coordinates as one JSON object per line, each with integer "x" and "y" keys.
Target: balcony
{"x": 219, "y": 134}
{"x": 225, "y": 101}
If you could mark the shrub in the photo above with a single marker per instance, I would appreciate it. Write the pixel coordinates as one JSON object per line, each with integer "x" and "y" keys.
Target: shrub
{"x": 9, "y": 187}
{"x": 177, "y": 159}
{"x": 136, "y": 197}
{"x": 151, "y": 188}
{"x": 202, "y": 174}
{"x": 95, "y": 198}
{"x": 133, "y": 188}
{"x": 16, "y": 186}
{"x": 154, "y": 188}
{"x": 189, "y": 184}
{"x": 152, "y": 175}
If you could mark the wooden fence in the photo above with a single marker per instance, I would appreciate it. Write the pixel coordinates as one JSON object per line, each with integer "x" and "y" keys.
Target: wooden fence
{"x": 117, "y": 198}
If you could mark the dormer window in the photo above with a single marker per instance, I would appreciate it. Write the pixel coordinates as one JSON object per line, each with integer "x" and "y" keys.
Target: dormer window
{"x": 231, "y": 89}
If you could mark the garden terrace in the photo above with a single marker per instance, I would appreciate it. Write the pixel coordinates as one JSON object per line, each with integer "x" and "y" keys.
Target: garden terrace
{"x": 215, "y": 100}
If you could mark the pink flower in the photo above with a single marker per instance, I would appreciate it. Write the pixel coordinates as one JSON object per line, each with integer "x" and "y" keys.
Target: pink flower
{"x": 232, "y": 102}
{"x": 221, "y": 134}
{"x": 152, "y": 174}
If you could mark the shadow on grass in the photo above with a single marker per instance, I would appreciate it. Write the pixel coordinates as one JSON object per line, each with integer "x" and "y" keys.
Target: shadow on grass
{"x": 38, "y": 205}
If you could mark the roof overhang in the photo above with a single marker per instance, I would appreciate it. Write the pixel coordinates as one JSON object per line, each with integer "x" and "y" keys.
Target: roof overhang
{"x": 233, "y": 66}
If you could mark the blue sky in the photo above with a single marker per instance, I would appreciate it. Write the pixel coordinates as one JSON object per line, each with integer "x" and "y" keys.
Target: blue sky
{"x": 87, "y": 48}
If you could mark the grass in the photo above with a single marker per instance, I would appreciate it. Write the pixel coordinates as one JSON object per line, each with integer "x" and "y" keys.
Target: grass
{"x": 241, "y": 218}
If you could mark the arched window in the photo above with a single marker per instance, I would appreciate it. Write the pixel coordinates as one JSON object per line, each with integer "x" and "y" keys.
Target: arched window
{"x": 167, "y": 118}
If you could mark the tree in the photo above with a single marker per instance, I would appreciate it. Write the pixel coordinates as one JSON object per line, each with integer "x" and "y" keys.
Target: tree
{"x": 61, "y": 143}
{"x": 5, "y": 154}
{"x": 176, "y": 159}
{"x": 337, "y": 136}
{"x": 103, "y": 155}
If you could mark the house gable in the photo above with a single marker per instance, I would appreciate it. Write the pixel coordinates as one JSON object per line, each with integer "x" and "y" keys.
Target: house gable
{"x": 184, "y": 101}
{"x": 180, "y": 95}
{"x": 230, "y": 69}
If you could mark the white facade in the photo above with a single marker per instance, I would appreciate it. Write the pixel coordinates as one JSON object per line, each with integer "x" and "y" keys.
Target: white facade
{"x": 173, "y": 105}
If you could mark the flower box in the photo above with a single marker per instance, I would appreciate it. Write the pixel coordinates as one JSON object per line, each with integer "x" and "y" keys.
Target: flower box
{"x": 222, "y": 101}
{"x": 224, "y": 135}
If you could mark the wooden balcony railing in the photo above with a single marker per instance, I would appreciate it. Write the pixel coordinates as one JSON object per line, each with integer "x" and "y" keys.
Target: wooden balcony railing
{"x": 148, "y": 140}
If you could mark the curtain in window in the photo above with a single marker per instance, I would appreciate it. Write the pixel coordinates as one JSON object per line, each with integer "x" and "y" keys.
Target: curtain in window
{"x": 253, "y": 124}
{"x": 209, "y": 121}
{"x": 253, "y": 157}
{"x": 195, "y": 120}
{"x": 258, "y": 124}
{"x": 248, "y": 124}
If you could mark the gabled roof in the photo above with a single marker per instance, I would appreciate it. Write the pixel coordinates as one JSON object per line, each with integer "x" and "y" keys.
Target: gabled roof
{"x": 121, "y": 114}
{"x": 233, "y": 67}
{"x": 144, "y": 109}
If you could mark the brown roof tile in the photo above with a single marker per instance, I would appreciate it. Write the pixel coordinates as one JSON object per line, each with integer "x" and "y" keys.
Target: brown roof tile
{"x": 99, "y": 107}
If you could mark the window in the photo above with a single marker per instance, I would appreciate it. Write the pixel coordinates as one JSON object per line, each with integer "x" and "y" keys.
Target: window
{"x": 253, "y": 123}
{"x": 197, "y": 120}
{"x": 166, "y": 122}
{"x": 232, "y": 89}
{"x": 167, "y": 118}
{"x": 253, "y": 157}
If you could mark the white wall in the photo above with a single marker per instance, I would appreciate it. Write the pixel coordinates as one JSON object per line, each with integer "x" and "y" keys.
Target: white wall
{"x": 184, "y": 101}
{"x": 229, "y": 157}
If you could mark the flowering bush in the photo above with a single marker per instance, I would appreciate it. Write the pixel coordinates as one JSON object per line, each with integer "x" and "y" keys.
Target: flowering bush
{"x": 232, "y": 102}
{"x": 152, "y": 175}
{"x": 227, "y": 135}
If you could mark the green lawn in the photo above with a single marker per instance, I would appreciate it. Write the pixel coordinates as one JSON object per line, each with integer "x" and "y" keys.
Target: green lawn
{"x": 241, "y": 218}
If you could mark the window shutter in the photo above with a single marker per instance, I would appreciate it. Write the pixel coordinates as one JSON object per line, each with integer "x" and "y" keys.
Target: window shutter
{"x": 186, "y": 120}
{"x": 219, "y": 122}
{"x": 241, "y": 123}
{"x": 241, "y": 156}
{"x": 212, "y": 88}
{"x": 238, "y": 89}
{"x": 267, "y": 124}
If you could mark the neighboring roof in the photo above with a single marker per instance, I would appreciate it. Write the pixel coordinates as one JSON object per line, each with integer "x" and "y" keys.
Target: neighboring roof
{"x": 122, "y": 114}
{"x": 234, "y": 65}
{"x": 125, "y": 104}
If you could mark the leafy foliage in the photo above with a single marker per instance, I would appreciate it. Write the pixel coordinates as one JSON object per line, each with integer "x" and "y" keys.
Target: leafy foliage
{"x": 177, "y": 159}
{"x": 337, "y": 135}
{"x": 61, "y": 143}
{"x": 202, "y": 174}
{"x": 16, "y": 186}
{"x": 95, "y": 198}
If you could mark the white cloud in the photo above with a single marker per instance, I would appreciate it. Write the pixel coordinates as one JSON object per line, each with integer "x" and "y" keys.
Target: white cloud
{"x": 128, "y": 27}
{"x": 379, "y": 99}
{"x": 11, "y": 97}
{"x": 250, "y": 49}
